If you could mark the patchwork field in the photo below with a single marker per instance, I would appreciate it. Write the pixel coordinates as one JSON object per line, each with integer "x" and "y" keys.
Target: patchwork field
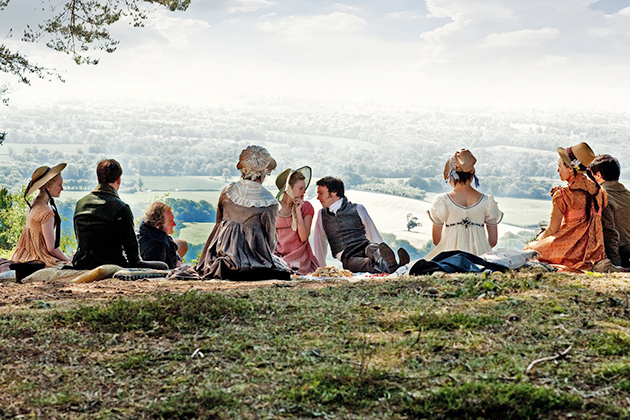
{"x": 195, "y": 233}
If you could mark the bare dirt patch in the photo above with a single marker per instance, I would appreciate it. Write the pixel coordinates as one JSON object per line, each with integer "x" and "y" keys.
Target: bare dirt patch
{"x": 14, "y": 294}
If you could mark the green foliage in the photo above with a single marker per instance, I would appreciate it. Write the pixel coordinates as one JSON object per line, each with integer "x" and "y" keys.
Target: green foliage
{"x": 426, "y": 248}
{"x": 13, "y": 210}
{"x": 76, "y": 27}
{"x": 520, "y": 187}
{"x": 434, "y": 184}
{"x": 395, "y": 243}
{"x": 480, "y": 400}
{"x": 401, "y": 189}
{"x": 67, "y": 242}
{"x": 516, "y": 240}
{"x": 187, "y": 312}
{"x": 192, "y": 211}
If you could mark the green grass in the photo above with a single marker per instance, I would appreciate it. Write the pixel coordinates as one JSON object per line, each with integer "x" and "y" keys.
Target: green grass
{"x": 491, "y": 401}
{"x": 435, "y": 347}
{"x": 188, "y": 312}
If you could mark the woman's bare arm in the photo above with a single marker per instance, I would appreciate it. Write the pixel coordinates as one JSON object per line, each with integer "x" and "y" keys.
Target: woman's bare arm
{"x": 48, "y": 230}
{"x": 437, "y": 234}
{"x": 493, "y": 235}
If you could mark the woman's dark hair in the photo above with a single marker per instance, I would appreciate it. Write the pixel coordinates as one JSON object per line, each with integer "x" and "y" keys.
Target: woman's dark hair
{"x": 108, "y": 171}
{"x": 334, "y": 185}
{"x": 464, "y": 177}
{"x": 591, "y": 199}
{"x": 607, "y": 166}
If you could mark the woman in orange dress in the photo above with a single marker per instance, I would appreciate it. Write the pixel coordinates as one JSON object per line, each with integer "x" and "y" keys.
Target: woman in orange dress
{"x": 574, "y": 237}
{"x": 41, "y": 235}
{"x": 295, "y": 217}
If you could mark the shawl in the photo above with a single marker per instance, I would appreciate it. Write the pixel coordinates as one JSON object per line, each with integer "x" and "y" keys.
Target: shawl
{"x": 248, "y": 193}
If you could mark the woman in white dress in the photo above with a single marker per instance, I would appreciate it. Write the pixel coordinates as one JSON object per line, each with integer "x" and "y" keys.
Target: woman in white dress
{"x": 460, "y": 216}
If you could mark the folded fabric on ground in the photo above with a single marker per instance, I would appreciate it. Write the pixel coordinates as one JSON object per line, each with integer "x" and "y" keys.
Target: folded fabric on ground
{"x": 51, "y": 274}
{"x": 354, "y": 277}
{"x": 454, "y": 262}
{"x": 512, "y": 258}
{"x": 101, "y": 272}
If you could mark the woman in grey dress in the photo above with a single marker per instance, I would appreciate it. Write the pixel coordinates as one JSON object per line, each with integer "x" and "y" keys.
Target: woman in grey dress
{"x": 241, "y": 244}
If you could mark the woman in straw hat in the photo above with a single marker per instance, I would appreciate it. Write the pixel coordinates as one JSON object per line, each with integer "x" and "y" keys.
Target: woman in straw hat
{"x": 295, "y": 217}
{"x": 460, "y": 216}
{"x": 42, "y": 233}
{"x": 574, "y": 237}
{"x": 240, "y": 247}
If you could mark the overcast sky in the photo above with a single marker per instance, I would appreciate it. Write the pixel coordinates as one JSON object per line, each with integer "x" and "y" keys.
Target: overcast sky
{"x": 445, "y": 52}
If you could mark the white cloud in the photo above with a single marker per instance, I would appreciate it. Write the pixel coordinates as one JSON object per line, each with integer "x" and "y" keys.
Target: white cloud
{"x": 404, "y": 15}
{"x": 473, "y": 8}
{"x": 175, "y": 29}
{"x": 520, "y": 38}
{"x": 248, "y": 5}
{"x": 298, "y": 28}
{"x": 344, "y": 7}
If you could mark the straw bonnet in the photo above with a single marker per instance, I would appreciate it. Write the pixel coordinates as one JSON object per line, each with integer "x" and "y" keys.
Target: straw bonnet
{"x": 462, "y": 161}
{"x": 577, "y": 157}
{"x": 255, "y": 161}
{"x": 41, "y": 176}
{"x": 282, "y": 180}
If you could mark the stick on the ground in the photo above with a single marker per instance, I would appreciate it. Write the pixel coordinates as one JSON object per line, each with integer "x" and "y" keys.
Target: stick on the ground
{"x": 546, "y": 359}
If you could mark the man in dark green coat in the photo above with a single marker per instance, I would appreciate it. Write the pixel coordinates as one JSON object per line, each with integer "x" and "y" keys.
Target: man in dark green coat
{"x": 103, "y": 225}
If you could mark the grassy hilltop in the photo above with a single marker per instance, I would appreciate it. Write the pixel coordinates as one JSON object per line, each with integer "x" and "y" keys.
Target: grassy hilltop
{"x": 455, "y": 346}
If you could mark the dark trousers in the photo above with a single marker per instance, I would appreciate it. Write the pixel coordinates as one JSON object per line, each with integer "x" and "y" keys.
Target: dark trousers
{"x": 624, "y": 254}
{"x": 156, "y": 265}
{"x": 364, "y": 259}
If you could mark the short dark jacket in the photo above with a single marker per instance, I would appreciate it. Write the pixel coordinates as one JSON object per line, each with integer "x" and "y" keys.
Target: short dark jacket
{"x": 157, "y": 245}
{"x": 103, "y": 225}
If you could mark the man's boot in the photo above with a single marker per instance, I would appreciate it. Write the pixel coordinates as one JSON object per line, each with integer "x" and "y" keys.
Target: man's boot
{"x": 403, "y": 257}
{"x": 387, "y": 254}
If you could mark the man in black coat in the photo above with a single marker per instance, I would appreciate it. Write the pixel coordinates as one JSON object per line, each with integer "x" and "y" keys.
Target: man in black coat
{"x": 154, "y": 236}
{"x": 103, "y": 225}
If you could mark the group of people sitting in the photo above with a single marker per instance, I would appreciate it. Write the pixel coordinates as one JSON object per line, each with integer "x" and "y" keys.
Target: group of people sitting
{"x": 258, "y": 236}
{"x": 104, "y": 226}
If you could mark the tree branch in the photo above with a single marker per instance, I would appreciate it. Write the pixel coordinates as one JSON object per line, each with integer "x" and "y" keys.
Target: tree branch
{"x": 547, "y": 359}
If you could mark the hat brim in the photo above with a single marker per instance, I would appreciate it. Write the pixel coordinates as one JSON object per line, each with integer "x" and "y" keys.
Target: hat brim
{"x": 281, "y": 180}
{"x": 564, "y": 155}
{"x": 53, "y": 172}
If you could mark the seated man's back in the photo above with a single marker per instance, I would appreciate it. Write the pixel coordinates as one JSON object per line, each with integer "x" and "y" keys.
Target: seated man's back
{"x": 103, "y": 225}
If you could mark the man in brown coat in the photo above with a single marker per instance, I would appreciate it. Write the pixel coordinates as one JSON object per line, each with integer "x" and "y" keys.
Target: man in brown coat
{"x": 606, "y": 171}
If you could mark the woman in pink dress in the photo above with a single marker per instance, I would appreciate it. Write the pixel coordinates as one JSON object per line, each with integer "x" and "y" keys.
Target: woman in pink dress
{"x": 295, "y": 216}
